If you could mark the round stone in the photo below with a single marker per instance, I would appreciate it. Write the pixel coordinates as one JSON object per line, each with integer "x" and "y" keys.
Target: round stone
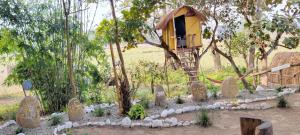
{"x": 229, "y": 88}
{"x": 160, "y": 96}
{"x": 75, "y": 110}
{"x": 199, "y": 91}
{"x": 28, "y": 115}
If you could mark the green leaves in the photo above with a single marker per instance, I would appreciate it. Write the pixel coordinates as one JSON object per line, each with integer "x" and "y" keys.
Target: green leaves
{"x": 291, "y": 42}
{"x": 207, "y": 33}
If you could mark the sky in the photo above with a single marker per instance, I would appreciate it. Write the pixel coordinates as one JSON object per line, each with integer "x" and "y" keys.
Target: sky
{"x": 103, "y": 11}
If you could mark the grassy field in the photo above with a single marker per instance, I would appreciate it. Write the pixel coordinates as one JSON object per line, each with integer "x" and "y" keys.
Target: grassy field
{"x": 155, "y": 54}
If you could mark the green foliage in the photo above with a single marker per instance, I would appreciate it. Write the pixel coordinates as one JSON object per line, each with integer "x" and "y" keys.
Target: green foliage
{"x": 221, "y": 75}
{"x": 108, "y": 96}
{"x": 99, "y": 112}
{"x": 202, "y": 119}
{"x": 145, "y": 102}
{"x": 207, "y": 33}
{"x": 179, "y": 100}
{"x": 8, "y": 112}
{"x": 282, "y": 102}
{"x": 136, "y": 112}
{"x": 280, "y": 89}
{"x": 55, "y": 120}
{"x": 214, "y": 91}
{"x": 32, "y": 38}
{"x": 19, "y": 130}
{"x": 239, "y": 44}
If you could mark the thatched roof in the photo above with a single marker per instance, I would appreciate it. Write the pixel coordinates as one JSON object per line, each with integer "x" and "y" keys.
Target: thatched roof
{"x": 285, "y": 58}
{"x": 165, "y": 19}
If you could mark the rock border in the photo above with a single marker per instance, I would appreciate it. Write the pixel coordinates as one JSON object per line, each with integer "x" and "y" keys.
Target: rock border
{"x": 160, "y": 120}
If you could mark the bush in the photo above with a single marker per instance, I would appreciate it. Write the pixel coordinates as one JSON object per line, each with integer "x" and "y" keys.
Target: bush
{"x": 19, "y": 130}
{"x": 279, "y": 89}
{"x": 202, "y": 119}
{"x": 137, "y": 112}
{"x": 8, "y": 112}
{"x": 282, "y": 102}
{"x": 55, "y": 120}
{"x": 214, "y": 91}
{"x": 99, "y": 112}
{"x": 179, "y": 100}
{"x": 145, "y": 102}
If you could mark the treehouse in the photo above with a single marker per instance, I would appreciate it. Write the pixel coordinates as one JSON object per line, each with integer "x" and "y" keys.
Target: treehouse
{"x": 181, "y": 31}
{"x": 181, "y": 28}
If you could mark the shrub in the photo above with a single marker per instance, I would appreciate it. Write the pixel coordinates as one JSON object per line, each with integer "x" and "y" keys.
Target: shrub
{"x": 19, "y": 130}
{"x": 214, "y": 91}
{"x": 8, "y": 112}
{"x": 55, "y": 120}
{"x": 202, "y": 119}
{"x": 282, "y": 102}
{"x": 279, "y": 89}
{"x": 137, "y": 112}
{"x": 99, "y": 112}
{"x": 179, "y": 100}
{"x": 145, "y": 102}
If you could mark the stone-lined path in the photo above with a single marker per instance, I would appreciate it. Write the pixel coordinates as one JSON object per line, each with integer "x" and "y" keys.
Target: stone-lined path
{"x": 285, "y": 122}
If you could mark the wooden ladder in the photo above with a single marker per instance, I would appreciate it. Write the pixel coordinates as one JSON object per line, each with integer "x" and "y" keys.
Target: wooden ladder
{"x": 188, "y": 63}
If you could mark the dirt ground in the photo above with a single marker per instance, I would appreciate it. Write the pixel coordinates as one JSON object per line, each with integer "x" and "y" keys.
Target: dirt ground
{"x": 285, "y": 122}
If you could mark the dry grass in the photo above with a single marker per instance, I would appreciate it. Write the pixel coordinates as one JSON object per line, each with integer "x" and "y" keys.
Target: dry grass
{"x": 155, "y": 54}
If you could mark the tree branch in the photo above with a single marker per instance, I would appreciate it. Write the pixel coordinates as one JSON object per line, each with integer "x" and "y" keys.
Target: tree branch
{"x": 276, "y": 43}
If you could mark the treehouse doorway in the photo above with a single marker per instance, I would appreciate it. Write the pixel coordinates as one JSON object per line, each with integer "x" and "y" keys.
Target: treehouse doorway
{"x": 180, "y": 31}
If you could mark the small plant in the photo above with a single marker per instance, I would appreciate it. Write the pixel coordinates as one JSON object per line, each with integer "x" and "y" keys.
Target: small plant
{"x": 282, "y": 102}
{"x": 136, "y": 112}
{"x": 145, "y": 102}
{"x": 179, "y": 100}
{"x": 279, "y": 89}
{"x": 99, "y": 112}
{"x": 19, "y": 130}
{"x": 55, "y": 120}
{"x": 202, "y": 119}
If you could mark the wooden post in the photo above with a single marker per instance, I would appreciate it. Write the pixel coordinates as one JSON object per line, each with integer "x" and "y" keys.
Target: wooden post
{"x": 254, "y": 126}
{"x": 248, "y": 125}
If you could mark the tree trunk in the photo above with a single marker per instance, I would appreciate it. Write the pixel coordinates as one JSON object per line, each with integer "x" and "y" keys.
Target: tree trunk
{"x": 246, "y": 61}
{"x": 217, "y": 60}
{"x": 152, "y": 85}
{"x": 125, "y": 88}
{"x": 264, "y": 63}
{"x": 235, "y": 68}
{"x": 69, "y": 48}
{"x": 119, "y": 97}
{"x": 251, "y": 57}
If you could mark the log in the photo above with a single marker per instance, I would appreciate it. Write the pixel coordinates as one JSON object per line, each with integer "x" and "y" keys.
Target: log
{"x": 248, "y": 125}
{"x": 254, "y": 126}
{"x": 264, "y": 129}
